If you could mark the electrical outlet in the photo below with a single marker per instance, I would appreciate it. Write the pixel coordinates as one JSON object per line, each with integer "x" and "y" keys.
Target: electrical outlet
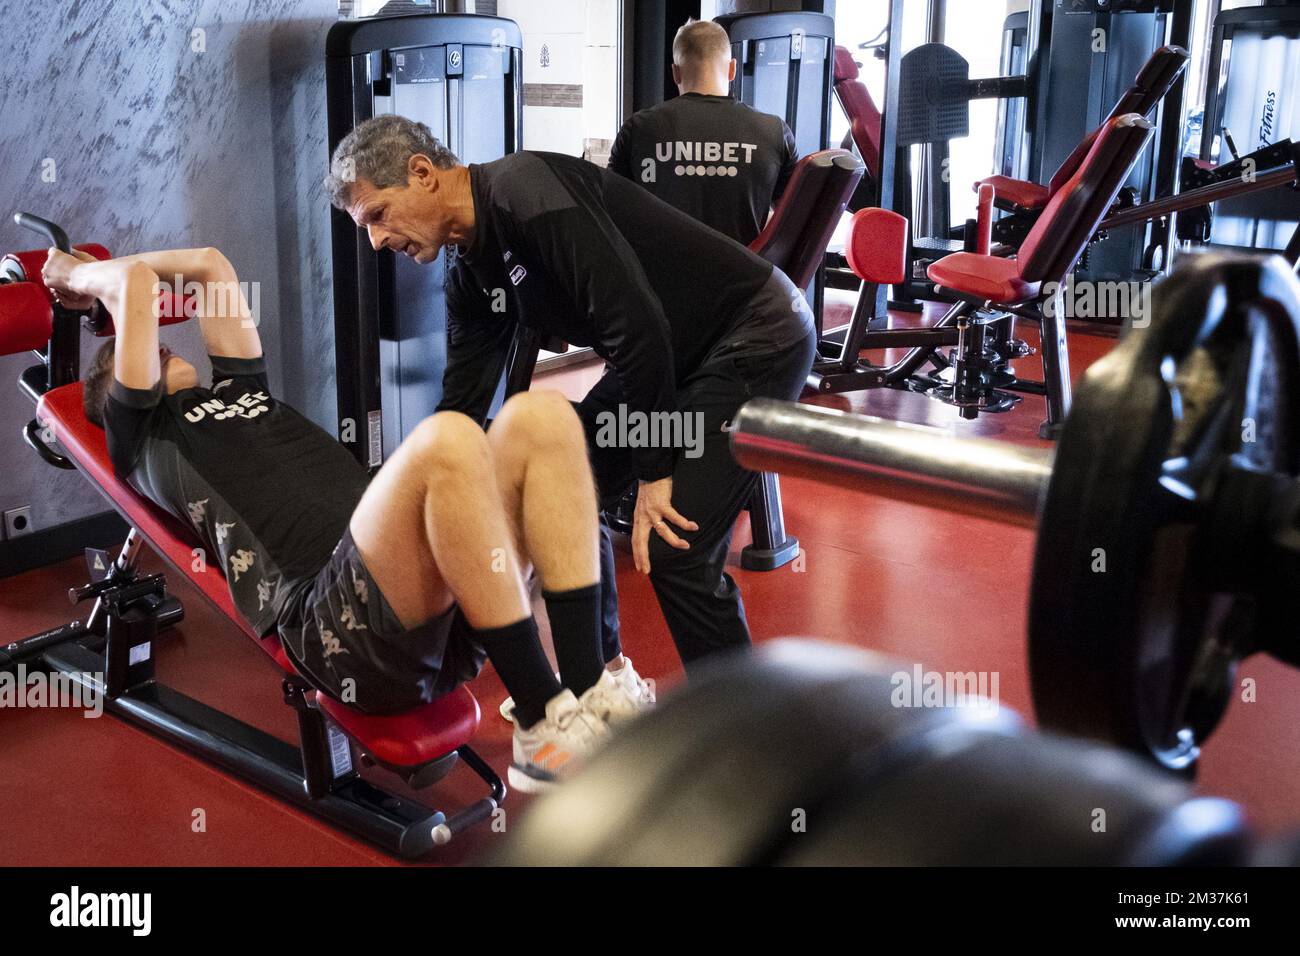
{"x": 18, "y": 521}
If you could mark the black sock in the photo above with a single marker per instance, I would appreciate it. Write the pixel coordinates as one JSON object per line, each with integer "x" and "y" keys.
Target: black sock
{"x": 575, "y": 631}
{"x": 516, "y": 652}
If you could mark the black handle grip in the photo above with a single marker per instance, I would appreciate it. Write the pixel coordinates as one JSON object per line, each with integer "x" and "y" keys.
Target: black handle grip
{"x": 58, "y": 238}
{"x": 31, "y": 434}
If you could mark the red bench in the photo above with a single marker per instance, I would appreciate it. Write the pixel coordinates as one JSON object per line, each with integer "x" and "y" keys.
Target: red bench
{"x": 319, "y": 775}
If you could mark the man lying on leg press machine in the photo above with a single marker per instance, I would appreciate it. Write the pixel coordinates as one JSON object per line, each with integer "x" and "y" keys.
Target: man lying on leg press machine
{"x": 386, "y": 594}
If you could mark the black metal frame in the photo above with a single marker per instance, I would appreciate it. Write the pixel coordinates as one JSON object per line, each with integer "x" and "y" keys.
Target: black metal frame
{"x": 111, "y": 654}
{"x": 357, "y": 55}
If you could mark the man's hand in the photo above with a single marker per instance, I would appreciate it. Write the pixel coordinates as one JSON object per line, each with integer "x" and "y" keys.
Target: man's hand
{"x": 57, "y": 274}
{"x": 654, "y": 510}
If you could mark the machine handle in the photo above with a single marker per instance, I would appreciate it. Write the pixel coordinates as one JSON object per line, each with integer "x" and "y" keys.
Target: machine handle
{"x": 58, "y": 238}
{"x": 31, "y": 435}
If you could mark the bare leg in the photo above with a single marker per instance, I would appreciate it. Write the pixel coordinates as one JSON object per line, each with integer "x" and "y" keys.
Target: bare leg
{"x": 431, "y": 530}
{"x": 546, "y": 488}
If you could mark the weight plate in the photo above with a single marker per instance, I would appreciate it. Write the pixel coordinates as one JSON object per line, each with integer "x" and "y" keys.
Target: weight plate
{"x": 1132, "y": 638}
{"x": 716, "y": 775}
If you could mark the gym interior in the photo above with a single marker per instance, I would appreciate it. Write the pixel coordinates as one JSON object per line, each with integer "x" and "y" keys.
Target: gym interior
{"x": 1011, "y": 549}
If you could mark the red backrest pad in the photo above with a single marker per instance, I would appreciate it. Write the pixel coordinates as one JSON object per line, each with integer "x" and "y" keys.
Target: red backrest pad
{"x": 796, "y": 235}
{"x": 1070, "y": 218}
{"x": 1154, "y": 80}
{"x": 860, "y": 108}
{"x": 877, "y": 246}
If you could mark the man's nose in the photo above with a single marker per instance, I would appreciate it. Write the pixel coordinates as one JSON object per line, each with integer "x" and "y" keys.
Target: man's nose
{"x": 377, "y": 237}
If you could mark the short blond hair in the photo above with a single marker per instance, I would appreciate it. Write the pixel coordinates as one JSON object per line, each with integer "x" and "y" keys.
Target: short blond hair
{"x": 699, "y": 43}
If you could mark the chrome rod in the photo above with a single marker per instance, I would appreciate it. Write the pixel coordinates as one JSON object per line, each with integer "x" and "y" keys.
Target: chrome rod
{"x": 909, "y": 462}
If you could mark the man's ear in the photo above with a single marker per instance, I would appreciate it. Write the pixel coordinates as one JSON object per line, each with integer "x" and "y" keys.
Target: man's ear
{"x": 731, "y": 71}
{"x": 420, "y": 170}
{"x": 677, "y": 77}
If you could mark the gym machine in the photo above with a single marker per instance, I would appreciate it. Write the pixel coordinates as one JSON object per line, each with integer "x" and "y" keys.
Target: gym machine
{"x": 1166, "y": 548}
{"x": 1252, "y": 102}
{"x": 109, "y": 654}
{"x": 462, "y": 75}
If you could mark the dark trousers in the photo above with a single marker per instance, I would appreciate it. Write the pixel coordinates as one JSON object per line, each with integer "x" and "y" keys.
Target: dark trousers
{"x": 700, "y": 601}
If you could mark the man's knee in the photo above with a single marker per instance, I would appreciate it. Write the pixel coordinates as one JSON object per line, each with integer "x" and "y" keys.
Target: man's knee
{"x": 538, "y": 420}
{"x": 448, "y": 442}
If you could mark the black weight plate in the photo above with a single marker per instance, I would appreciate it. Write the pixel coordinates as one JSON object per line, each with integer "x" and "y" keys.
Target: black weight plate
{"x": 715, "y": 774}
{"x": 1141, "y": 654}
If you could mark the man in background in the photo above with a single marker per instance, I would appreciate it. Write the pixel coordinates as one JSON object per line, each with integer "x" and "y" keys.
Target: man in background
{"x": 711, "y": 156}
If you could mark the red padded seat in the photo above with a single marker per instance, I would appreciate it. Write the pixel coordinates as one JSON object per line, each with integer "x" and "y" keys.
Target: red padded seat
{"x": 986, "y": 277}
{"x": 1018, "y": 192}
{"x": 408, "y": 739}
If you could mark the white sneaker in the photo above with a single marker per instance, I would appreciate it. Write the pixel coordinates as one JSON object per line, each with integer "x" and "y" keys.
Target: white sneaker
{"x": 619, "y": 695}
{"x": 507, "y": 708}
{"x": 555, "y": 746}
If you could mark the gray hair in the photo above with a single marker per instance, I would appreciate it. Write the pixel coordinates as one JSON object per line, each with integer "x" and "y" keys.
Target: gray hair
{"x": 378, "y": 151}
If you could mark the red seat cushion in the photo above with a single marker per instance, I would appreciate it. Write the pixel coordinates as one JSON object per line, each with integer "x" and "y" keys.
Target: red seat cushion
{"x": 990, "y": 278}
{"x": 405, "y": 740}
{"x": 876, "y": 250}
{"x": 1019, "y": 192}
{"x": 414, "y": 737}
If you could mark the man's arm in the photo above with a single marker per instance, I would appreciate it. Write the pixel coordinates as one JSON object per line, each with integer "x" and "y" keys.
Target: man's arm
{"x": 128, "y": 291}
{"x": 582, "y": 250}
{"x": 620, "y": 159}
{"x": 478, "y": 340}
{"x": 789, "y": 160}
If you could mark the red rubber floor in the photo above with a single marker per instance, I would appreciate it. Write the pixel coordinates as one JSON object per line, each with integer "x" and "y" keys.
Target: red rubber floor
{"x": 911, "y": 582}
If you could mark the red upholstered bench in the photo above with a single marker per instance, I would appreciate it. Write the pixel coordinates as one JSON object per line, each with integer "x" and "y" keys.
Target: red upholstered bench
{"x": 110, "y": 650}
{"x": 404, "y": 740}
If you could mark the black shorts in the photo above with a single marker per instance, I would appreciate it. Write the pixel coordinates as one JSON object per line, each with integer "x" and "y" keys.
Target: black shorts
{"x": 343, "y": 637}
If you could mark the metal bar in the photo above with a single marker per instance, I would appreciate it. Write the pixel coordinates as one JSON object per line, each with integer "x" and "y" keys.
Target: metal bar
{"x": 909, "y": 462}
{"x": 1199, "y": 197}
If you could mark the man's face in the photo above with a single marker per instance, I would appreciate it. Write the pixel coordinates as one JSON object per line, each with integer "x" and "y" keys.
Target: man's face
{"x": 406, "y": 219}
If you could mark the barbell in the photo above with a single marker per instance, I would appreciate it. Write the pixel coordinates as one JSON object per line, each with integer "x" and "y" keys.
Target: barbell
{"x": 1167, "y": 544}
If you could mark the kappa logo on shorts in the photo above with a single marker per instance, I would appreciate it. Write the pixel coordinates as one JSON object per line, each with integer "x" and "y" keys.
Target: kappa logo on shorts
{"x": 330, "y": 643}
{"x": 349, "y": 618}
{"x": 197, "y": 510}
{"x": 241, "y": 561}
{"x": 359, "y": 586}
{"x": 517, "y": 275}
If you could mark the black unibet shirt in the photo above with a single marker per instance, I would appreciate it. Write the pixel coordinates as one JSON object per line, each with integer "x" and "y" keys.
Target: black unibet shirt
{"x": 710, "y": 156}
{"x": 269, "y": 492}
{"x": 577, "y": 252}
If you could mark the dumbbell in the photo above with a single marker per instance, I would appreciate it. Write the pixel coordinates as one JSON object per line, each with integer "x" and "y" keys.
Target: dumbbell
{"x": 1168, "y": 518}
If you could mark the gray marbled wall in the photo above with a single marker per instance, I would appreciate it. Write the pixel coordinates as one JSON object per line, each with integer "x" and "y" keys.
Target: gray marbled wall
{"x": 172, "y": 123}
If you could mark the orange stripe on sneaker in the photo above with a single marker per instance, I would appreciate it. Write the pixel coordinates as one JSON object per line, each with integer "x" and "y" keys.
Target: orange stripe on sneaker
{"x": 561, "y": 759}
{"x": 539, "y": 758}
